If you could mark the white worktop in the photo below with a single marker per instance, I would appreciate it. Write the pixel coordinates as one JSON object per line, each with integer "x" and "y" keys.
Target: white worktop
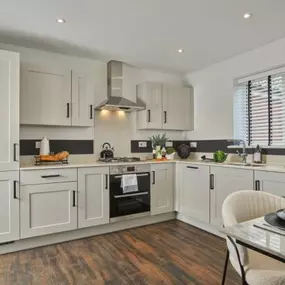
{"x": 267, "y": 167}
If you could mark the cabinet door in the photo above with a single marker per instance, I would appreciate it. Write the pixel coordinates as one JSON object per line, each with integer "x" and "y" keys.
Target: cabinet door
{"x": 195, "y": 197}
{"x": 93, "y": 196}
{"x": 82, "y": 99}
{"x": 45, "y": 95}
{"x": 225, "y": 181}
{"x": 9, "y": 110}
{"x": 177, "y": 108}
{"x": 48, "y": 208}
{"x": 150, "y": 94}
{"x": 271, "y": 182}
{"x": 162, "y": 189}
{"x": 9, "y": 206}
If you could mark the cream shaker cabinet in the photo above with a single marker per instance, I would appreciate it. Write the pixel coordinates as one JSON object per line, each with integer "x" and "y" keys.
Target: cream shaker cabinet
{"x": 9, "y": 206}
{"x": 194, "y": 192}
{"x": 57, "y": 96}
{"x": 150, "y": 94}
{"x": 270, "y": 182}
{"x": 45, "y": 95}
{"x": 93, "y": 196}
{"x": 178, "y": 108}
{"x": 9, "y": 110}
{"x": 168, "y": 107}
{"x": 48, "y": 201}
{"x": 83, "y": 98}
{"x": 162, "y": 188}
{"x": 48, "y": 208}
{"x": 223, "y": 182}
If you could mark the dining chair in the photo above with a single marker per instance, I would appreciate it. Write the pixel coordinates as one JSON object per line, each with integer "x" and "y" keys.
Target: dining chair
{"x": 253, "y": 267}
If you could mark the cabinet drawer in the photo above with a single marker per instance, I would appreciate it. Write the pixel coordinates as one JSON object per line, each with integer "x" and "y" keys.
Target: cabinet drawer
{"x": 48, "y": 176}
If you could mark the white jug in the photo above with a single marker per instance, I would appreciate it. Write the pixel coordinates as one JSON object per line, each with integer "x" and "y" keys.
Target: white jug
{"x": 44, "y": 149}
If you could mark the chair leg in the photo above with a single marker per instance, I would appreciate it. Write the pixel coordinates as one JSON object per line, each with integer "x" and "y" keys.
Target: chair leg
{"x": 226, "y": 268}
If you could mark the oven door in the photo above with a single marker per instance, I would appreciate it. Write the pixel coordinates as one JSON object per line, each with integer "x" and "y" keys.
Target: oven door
{"x": 122, "y": 204}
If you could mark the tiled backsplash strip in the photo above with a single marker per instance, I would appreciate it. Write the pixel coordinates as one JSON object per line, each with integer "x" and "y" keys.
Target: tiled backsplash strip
{"x": 205, "y": 146}
{"x": 28, "y": 147}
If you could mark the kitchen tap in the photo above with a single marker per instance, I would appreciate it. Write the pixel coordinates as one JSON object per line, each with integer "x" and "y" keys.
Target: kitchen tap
{"x": 243, "y": 155}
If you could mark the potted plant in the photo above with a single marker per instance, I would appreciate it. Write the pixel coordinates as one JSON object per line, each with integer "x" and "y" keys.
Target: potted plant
{"x": 170, "y": 153}
{"x": 158, "y": 141}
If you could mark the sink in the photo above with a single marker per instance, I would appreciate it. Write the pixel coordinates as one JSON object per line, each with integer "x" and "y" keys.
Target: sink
{"x": 245, "y": 164}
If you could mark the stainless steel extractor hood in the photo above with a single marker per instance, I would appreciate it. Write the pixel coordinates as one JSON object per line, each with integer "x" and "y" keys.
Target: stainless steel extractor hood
{"x": 115, "y": 100}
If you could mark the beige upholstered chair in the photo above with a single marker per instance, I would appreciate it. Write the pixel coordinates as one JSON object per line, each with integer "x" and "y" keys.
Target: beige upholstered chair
{"x": 253, "y": 267}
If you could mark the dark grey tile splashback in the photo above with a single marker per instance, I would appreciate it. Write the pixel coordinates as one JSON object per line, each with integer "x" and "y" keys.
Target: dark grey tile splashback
{"x": 206, "y": 146}
{"x": 28, "y": 147}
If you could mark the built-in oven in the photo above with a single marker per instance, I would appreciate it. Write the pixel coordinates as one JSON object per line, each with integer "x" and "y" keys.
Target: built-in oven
{"x": 131, "y": 204}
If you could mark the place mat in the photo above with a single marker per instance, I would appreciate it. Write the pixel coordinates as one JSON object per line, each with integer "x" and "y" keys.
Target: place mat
{"x": 273, "y": 220}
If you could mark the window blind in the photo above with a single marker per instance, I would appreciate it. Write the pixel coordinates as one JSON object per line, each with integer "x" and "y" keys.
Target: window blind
{"x": 259, "y": 110}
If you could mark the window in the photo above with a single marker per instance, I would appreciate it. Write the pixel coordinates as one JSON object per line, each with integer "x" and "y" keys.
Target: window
{"x": 259, "y": 109}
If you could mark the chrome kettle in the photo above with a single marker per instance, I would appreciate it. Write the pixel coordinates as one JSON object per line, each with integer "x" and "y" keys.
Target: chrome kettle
{"x": 107, "y": 151}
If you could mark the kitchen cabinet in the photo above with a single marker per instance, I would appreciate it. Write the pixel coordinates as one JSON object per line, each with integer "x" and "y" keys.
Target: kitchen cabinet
{"x": 45, "y": 95}
{"x": 177, "y": 108}
{"x": 93, "y": 196}
{"x": 83, "y": 97}
{"x": 162, "y": 188}
{"x": 270, "y": 182}
{"x": 194, "y": 193}
{"x": 224, "y": 181}
{"x": 48, "y": 208}
{"x": 9, "y": 206}
{"x": 9, "y": 110}
{"x": 167, "y": 107}
{"x": 150, "y": 94}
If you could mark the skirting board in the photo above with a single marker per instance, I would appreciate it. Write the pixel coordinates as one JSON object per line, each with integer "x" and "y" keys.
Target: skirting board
{"x": 83, "y": 233}
{"x": 201, "y": 225}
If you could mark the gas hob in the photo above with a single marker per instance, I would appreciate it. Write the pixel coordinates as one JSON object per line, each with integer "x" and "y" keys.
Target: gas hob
{"x": 120, "y": 159}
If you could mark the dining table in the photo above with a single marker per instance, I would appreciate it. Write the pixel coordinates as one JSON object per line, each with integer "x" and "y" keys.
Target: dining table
{"x": 259, "y": 236}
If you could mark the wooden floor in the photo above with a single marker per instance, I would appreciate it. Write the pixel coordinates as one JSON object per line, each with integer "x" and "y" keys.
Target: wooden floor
{"x": 166, "y": 253}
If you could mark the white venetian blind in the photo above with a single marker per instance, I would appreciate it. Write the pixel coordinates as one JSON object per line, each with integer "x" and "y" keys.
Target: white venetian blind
{"x": 277, "y": 110}
{"x": 259, "y": 109}
{"x": 241, "y": 112}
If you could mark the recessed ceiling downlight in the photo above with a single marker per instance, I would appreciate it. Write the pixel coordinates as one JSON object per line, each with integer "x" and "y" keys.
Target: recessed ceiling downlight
{"x": 60, "y": 20}
{"x": 247, "y": 15}
{"x": 180, "y": 50}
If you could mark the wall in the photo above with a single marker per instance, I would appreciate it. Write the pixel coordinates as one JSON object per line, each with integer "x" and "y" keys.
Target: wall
{"x": 116, "y": 128}
{"x": 214, "y": 88}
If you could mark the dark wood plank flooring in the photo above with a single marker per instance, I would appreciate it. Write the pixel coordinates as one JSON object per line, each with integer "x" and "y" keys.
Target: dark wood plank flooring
{"x": 166, "y": 253}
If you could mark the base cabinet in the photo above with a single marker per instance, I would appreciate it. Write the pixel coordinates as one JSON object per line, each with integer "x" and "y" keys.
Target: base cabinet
{"x": 93, "y": 196}
{"x": 225, "y": 181}
{"x": 194, "y": 192}
{"x": 270, "y": 182}
{"x": 162, "y": 188}
{"x": 9, "y": 206}
{"x": 48, "y": 208}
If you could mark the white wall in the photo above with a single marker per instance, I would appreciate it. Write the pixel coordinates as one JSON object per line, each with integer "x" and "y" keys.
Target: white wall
{"x": 116, "y": 128}
{"x": 214, "y": 88}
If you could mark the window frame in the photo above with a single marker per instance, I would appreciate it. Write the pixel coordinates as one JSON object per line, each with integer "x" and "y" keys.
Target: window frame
{"x": 246, "y": 80}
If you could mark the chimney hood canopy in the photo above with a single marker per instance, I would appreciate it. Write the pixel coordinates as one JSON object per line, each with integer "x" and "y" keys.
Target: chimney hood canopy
{"x": 115, "y": 100}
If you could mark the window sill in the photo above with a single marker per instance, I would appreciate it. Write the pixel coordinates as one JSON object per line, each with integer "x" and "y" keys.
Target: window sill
{"x": 252, "y": 147}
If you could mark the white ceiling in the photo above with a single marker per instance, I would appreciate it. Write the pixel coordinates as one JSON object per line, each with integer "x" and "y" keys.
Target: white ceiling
{"x": 145, "y": 33}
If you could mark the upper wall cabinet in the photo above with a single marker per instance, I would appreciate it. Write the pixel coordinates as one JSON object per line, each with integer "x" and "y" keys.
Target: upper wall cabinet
{"x": 57, "y": 95}
{"x": 151, "y": 95}
{"x": 168, "y": 107}
{"x": 45, "y": 97}
{"x": 9, "y": 110}
{"x": 83, "y": 98}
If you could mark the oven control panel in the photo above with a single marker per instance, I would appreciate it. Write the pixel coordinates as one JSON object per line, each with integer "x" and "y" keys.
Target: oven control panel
{"x": 125, "y": 169}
